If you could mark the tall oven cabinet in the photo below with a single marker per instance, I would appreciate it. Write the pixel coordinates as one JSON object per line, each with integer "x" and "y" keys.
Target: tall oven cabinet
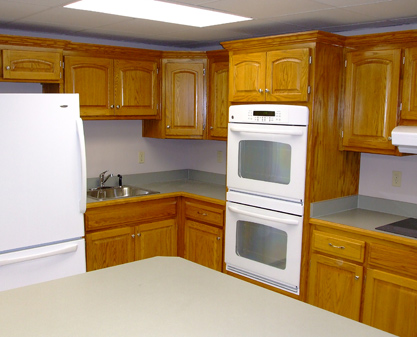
{"x": 310, "y": 75}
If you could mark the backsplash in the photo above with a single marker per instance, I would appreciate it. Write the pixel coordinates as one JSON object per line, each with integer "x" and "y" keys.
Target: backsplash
{"x": 376, "y": 177}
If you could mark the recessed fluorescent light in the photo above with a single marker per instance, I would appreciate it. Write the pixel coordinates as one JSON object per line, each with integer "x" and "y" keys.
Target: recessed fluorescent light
{"x": 158, "y": 11}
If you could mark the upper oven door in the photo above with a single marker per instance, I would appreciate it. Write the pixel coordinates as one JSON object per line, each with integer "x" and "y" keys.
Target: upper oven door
{"x": 268, "y": 160}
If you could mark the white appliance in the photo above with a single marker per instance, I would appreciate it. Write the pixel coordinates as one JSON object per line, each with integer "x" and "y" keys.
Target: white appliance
{"x": 405, "y": 137}
{"x": 43, "y": 189}
{"x": 266, "y": 169}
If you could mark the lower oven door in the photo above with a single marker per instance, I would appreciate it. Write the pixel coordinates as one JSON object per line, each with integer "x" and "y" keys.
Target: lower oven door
{"x": 264, "y": 245}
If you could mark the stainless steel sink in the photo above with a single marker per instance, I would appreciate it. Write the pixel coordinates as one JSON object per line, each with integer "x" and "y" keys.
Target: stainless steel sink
{"x": 115, "y": 192}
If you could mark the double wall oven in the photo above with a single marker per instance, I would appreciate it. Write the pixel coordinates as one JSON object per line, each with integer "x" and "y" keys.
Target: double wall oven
{"x": 266, "y": 170}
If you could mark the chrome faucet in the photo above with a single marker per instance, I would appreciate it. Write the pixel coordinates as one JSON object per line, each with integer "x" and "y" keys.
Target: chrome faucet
{"x": 103, "y": 179}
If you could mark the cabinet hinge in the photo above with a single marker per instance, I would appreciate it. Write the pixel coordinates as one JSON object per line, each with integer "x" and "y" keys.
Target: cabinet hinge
{"x": 345, "y": 63}
{"x": 204, "y": 71}
{"x": 157, "y": 71}
{"x": 62, "y": 64}
{"x": 342, "y": 133}
{"x": 308, "y": 89}
{"x": 401, "y": 106}
{"x": 310, "y": 60}
{"x": 403, "y": 59}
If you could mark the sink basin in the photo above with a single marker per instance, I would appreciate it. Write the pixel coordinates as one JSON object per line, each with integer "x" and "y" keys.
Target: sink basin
{"x": 115, "y": 192}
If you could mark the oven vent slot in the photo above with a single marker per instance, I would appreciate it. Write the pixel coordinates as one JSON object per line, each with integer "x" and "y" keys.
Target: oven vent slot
{"x": 283, "y": 286}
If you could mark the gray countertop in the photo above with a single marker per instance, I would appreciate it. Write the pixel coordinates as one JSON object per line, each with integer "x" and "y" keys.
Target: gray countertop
{"x": 164, "y": 296}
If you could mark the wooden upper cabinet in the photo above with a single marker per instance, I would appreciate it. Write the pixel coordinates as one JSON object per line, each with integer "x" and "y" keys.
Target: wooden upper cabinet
{"x": 31, "y": 65}
{"x": 184, "y": 98}
{"x": 92, "y": 79}
{"x": 218, "y": 105}
{"x": 113, "y": 88}
{"x": 136, "y": 88}
{"x": 274, "y": 76}
{"x": 409, "y": 102}
{"x": 371, "y": 100}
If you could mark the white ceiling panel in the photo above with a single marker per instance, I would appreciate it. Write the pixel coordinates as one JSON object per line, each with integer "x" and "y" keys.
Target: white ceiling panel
{"x": 270, "y": 17}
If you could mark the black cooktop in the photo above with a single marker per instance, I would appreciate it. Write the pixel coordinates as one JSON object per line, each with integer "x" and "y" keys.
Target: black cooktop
{"x": 406, "y": 227}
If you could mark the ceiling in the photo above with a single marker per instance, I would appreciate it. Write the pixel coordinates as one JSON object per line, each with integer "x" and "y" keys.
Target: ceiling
{"x": 270, "y": 17}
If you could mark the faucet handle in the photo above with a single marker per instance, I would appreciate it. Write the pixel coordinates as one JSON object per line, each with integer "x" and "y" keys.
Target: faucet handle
{"x": 103, "y": 173}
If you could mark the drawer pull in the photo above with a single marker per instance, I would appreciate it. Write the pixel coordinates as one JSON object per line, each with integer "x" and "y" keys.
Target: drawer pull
{"x": 339, "y": 247}
{"x": 203, "y": 214}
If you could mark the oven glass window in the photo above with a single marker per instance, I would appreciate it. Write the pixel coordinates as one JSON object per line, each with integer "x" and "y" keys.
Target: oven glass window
{"x": 265, "y": 161}
{"x": 261, "y": 243}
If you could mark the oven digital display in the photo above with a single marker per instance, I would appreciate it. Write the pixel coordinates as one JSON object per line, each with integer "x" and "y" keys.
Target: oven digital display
{"x": 264, "y": 113}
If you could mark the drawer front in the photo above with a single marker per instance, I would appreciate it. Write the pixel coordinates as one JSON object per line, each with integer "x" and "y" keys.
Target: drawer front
{"x": 117, "y": 215}
{"x": 395, "y": 259}
{"x": 204, "y": 213}
{"x": 339, "y": 246}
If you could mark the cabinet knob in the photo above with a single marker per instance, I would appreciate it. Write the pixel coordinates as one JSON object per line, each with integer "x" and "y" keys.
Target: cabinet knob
{"x": 211, "y": 128}
{"x": 112, "y": 106}
{"x": 356, "y": 277}
{"x": 168, "y": 126}
{"x": 389, "y": 138}
{"x": 138, "y": 234}
{"x": 117, "y": 106}
{"x": 219, "y": 238}
{"x": 266, "y": 90}
{"x": 260, "y": 91}
{"x": 133, "y": 235}
{"x": 8, "y": 68}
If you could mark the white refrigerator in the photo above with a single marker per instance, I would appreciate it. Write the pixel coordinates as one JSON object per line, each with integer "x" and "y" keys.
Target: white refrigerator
{"x": 42, "y": 188}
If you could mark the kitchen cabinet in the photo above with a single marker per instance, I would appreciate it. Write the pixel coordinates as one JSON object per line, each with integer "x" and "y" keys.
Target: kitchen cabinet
{"x": 409, "y": 93}
{"x": 218, "y": 95}
{"x": 350, "y": 266}
{"x": 183, "y": 100}
{"x": 124, "y": 232}
{"x": 113, "y": 88}
{"x": 335, "y": 283}
{"x": 204, "y": 233}
{"x": 274, "y": 76}
{"x": 371, "y": 100}
{"x": 31, "y": 65}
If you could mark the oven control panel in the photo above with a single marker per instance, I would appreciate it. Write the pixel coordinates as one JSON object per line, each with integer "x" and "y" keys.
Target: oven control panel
{"x": 269, "y": 114}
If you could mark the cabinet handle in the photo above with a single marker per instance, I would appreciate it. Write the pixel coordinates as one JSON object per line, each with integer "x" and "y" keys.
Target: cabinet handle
{"x": 260, "y": 91}
{"x": 266, "y": 90}
{"x": 218, "y": 238}
{"x": 356, "y": 277}
{"x": 138, "y": 234}
{"x": 117, "y": 106}
{"x": 211, "y": 128}
{"x": 389, "y": 138}
{"x": 112, "y": 106}
{"x": 8, "y": 68}
{"x": 168, "y": 126}
{"x": 133, "y": 235}
{"x": 203, "y": 214}
{"x": 339, "y": 247}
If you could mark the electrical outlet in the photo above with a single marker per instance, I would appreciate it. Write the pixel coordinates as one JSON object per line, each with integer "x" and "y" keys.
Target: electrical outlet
{"x": 220, "y": 156}
{"x": 141, "y": 157}
{"x": 396, "y": 178}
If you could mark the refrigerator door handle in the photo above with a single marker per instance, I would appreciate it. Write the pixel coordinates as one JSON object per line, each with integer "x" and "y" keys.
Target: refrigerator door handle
{"x": 83, "y": 197}
{"x": 10, "y": 260}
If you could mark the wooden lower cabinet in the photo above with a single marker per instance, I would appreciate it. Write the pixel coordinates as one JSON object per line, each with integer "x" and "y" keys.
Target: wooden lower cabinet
{"x": 391, "y": 303}
{"x": 365, "y": 276}
{"x": 335, "y": 285}
{"x": 203, "y": 244}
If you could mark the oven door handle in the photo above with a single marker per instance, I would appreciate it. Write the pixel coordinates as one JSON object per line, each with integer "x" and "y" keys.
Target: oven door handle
{"x": 289, "y": 132}
{"x": 264, "y": 217}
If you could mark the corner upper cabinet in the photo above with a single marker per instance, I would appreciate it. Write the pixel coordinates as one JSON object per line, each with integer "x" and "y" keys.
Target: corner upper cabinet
{"x": 31, "y": 65}
{"x": 273, "y": 76}
{"x": 371, "y": 100}
{"x": 183, "y": 101}
{"x": 409, "y": 96}
{"x": 113, "y": 89}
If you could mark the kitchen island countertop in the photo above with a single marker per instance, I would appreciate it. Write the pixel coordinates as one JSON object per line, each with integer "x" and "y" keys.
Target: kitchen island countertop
{"x": 164, "y": 296}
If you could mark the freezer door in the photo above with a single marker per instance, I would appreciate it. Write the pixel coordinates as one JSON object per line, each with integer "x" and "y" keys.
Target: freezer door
{"x": 30, "y": 266}
{"x": 42, "y": 193}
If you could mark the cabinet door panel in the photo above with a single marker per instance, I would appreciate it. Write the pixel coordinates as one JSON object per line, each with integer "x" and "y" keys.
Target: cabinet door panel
{"x": 156, "y": 239}
{"x": 31, "y": 65}
{"x": 203, "y": 244}
{"x": 92, "y": 78}
{"x": 409, "y": 106}
{"x": 184, "y": 85}
{"x": 218, "y": 104}
{"x": 247, "y": 78}
{"x": 371, "y": 98}
{"x": 335, "y": 285}
{"x": 136, "y": 88}
{"x": 109, "y": 248}
{"x": 287, "y": 75}
{"x": 390, "y": 303}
